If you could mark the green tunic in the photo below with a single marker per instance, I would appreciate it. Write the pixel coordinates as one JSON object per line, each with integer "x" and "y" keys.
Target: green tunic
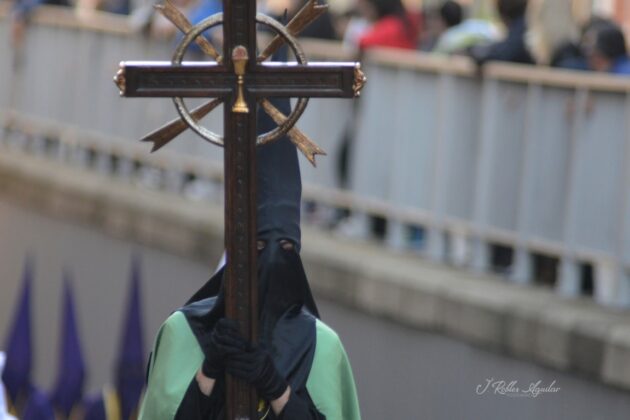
{"x": 177, "y": 357}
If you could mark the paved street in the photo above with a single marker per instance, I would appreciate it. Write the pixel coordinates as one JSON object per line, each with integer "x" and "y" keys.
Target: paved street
{"x": 400, "y": 373}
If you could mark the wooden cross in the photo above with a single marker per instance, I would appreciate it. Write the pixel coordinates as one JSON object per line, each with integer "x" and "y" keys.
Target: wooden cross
{"x": 241, "y": 83}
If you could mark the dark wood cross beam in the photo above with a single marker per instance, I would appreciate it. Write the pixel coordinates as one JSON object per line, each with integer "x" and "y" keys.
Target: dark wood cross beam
{"x": 315, "y": 80}
{"x": 242, "y": 81}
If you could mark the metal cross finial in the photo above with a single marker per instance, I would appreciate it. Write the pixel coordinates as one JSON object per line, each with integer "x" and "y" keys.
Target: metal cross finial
{"x": 239, "y": 58}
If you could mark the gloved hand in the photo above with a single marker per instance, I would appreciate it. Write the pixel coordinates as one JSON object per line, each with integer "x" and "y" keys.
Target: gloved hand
{"x": 251, "y": 363}
{"x": 214, "y": 363}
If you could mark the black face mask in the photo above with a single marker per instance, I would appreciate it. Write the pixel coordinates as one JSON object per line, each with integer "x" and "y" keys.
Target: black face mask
{"x": 285, "y": 328}
{"x": 282, "y": 287}
{"x": 282, "y": 284}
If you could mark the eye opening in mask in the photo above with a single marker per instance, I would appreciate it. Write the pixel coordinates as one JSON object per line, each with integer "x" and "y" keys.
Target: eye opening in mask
{"x": 286, "y": 244}
{"x": 261, "y": 244}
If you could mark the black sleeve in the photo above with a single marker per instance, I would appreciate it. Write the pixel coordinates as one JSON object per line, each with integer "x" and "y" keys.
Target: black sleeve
{"x": 300, "y": 407}
{"x": 512, "y": 49}
{"x": 196, "y": 406}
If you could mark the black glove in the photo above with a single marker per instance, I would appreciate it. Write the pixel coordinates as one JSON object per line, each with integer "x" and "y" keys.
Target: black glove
{"x": 214, "y": 362}
{"x": 252, "y": 364}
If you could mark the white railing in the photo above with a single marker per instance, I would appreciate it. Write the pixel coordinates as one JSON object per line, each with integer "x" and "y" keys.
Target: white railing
{"x": 531, "y": 159}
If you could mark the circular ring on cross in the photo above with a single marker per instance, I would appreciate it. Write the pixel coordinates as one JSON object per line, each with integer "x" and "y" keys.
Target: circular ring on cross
{"x": 211, "y": 136}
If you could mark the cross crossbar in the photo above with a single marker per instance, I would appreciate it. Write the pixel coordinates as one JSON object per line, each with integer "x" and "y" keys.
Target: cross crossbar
{"x": 315, "y": 80}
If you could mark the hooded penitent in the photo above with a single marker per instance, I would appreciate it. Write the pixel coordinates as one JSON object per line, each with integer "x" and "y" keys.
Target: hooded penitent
{"x": 283, "y": 290}
{"x": 68, "y": 390}
{"x": 304, "y": 352}
{"x": 130, "y": 364}
{"x": 38, "y": 406}
{"x": 17, "y": 371}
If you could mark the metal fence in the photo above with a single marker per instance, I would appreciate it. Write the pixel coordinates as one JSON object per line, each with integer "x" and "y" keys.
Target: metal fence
{"x": 529, "y": 164}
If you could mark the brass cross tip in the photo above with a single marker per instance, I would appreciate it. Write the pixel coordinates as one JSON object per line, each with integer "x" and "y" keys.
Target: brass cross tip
{"x": 119, "y": 80}
{"x": 359, "y": 80}
{"x": 240, "y": 58}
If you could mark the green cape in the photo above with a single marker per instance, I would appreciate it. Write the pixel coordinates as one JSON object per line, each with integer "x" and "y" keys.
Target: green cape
{"x": 177, "y": 357}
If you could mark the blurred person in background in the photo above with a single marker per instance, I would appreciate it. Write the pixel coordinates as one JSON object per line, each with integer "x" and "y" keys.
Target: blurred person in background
{"x": 438, "y": 20}
{"x": 605, "y": 49}
{"x": 513, "y": 47}
{"x": 161, "y": 28}
{"x": 459, "y": 33}
{"x": 553, "y": 35}
{"x": 393, "y": 26}
{"x": 351, "y": 25}
{"x": 201, "y": 9}
{"x": 432, "y": 26}
{"x": 197, "y": 12}
{"x": 322, "y": 28}
{"x": 284, "y": 10}
{"x": 20, "y": 14}
{"x": 120, "y": 7}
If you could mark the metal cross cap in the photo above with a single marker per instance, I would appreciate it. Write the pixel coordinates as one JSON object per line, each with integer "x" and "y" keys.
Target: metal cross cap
{"x": 241, "y": 82}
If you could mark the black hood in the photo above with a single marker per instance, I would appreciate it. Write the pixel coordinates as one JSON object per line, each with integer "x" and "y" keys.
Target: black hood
{"x": 282, "y": 287}
{"x": 279, "y": 184}
{"x": 282, "y": 283}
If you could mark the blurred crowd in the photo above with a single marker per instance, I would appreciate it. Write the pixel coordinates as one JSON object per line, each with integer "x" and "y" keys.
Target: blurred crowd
{"x": 544, "y": 32}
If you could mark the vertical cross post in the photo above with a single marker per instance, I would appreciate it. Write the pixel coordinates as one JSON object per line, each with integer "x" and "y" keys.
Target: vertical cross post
{"x": 239, "y": 31}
